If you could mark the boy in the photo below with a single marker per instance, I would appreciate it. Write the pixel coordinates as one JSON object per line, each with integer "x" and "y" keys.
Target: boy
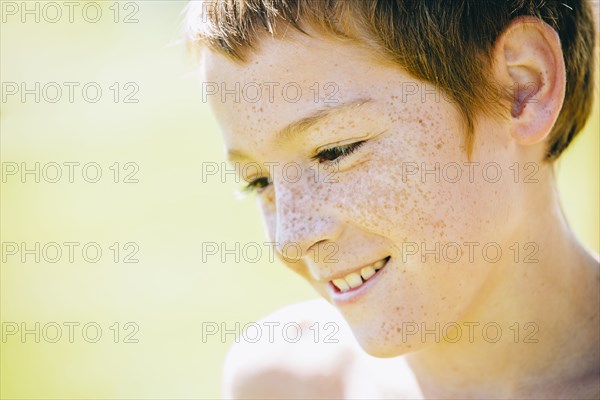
{"x": 421, "y": 201}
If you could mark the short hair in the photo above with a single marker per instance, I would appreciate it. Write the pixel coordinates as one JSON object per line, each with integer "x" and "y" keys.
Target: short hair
{"x": 447, "y": 43}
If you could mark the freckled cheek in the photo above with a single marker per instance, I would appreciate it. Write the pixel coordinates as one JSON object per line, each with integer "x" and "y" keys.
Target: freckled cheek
{"x": 390, "y": 196}
{"x": 376, "y": 196}
{"x": 381, "y": 201}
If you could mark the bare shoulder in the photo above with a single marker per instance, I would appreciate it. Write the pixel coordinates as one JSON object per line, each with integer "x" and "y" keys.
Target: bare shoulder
{"x": 307, "y": 350}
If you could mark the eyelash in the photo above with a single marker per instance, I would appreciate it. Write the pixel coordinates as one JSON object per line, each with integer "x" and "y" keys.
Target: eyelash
{"x": 257, "y": 185}
{"x": 337, "y": 153}
{"x": 330, "y": 156}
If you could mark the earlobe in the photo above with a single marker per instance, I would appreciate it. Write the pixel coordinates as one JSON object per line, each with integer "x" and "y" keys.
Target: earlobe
{"x": 529, "y": 65}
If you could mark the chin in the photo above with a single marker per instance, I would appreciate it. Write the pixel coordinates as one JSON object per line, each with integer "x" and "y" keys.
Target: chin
{"x": 383, "y": 345}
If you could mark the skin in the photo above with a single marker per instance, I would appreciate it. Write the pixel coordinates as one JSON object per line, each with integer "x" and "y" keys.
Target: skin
{"x": 368, "y": 209}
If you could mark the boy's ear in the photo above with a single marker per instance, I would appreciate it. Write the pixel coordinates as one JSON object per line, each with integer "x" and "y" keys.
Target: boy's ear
{"x": 528, "y": 62}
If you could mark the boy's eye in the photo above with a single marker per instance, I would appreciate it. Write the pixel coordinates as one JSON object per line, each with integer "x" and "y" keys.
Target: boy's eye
{"x": 337, "y": 152}
{"x": 330, "y": 155}
{"x": 258, "y": 184}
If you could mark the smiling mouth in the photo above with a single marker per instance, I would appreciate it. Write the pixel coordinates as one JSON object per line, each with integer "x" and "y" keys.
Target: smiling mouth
{"x": 355, "y": 279}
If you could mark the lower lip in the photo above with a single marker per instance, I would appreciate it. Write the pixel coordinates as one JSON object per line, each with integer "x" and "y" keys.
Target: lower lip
{"x": 353, "y": 294}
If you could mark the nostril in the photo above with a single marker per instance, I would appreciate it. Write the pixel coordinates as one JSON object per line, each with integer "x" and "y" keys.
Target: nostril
{"x": 290, "y": 251}
{"x": 316, "y": 244}
{"x": 312, "y": 250}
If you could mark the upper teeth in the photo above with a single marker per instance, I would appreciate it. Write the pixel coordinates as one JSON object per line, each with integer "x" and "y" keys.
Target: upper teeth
{"x": 355, "y": 279}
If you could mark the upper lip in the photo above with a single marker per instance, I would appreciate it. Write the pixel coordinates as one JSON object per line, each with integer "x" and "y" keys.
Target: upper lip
{"x": 351, "y": 270}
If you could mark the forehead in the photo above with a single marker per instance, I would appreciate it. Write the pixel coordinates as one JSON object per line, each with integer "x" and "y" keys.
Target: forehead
{"x": 293, "y": 58}
{"x": 289, "y": 78}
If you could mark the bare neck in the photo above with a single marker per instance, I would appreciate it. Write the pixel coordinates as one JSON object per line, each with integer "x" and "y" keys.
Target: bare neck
{"x": 547, "y": 312}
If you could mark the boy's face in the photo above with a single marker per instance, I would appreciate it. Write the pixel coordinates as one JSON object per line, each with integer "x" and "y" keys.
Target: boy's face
{"x": 333, "y": 212}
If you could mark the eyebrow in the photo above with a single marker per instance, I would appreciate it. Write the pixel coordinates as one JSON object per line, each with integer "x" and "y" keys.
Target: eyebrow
{"x": 301, "y": 125}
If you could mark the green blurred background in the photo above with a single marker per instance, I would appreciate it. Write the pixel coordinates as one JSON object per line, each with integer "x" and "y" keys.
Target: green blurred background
{"x": 168, "y": 214}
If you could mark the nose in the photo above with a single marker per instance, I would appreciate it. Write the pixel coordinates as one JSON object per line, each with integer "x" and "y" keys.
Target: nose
{"x": 303, "y": 220}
